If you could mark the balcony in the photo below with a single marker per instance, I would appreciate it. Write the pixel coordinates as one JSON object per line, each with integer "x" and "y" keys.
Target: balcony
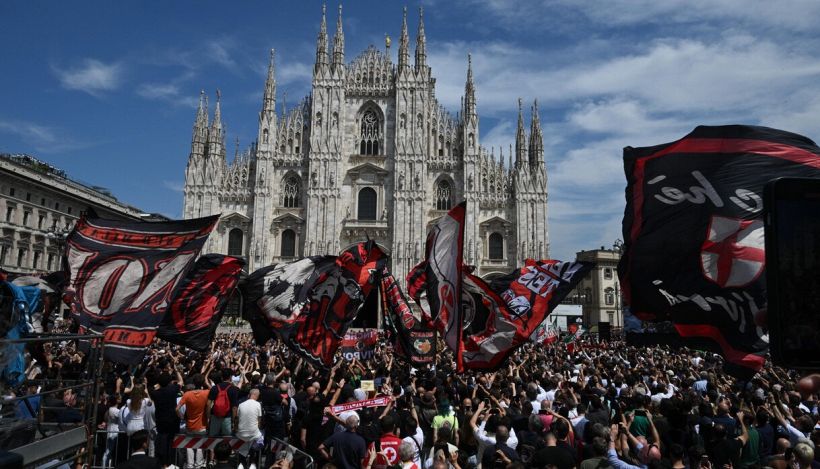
{"x": 359, "y": 228}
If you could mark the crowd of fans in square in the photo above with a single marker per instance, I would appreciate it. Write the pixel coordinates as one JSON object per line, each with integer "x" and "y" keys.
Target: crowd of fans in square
{"x": 606, "y": 405}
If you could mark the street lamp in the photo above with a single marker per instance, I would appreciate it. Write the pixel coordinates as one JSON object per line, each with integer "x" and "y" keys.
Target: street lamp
{"x": 57, "y": 237}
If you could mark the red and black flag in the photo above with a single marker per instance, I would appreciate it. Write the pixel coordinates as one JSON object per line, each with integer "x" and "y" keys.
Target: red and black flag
{"x": 311, "y": 302}
{"x": 694, "y": 250}
{"x": 275, "y": 295}
{"x": 124, "y": 274}
{"x": 200, "y": 301}
{"x": 502, "y": 315}
{"x": 439, "y": 278}
{"x": 413, "y": 337}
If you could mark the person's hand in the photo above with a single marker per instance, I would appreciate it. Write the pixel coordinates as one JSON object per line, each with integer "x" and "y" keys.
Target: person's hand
{"x": 613, "y": 432}
{"x": 454, "y": 457}
{"x": 500, "y": 454}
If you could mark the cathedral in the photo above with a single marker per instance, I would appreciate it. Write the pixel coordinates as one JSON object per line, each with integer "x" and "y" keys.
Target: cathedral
{"x": 369, "y": 153}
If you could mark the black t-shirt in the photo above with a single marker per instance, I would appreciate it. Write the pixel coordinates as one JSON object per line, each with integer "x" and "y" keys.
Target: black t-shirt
{"x": 726, "y": 451}
{"x": 348, "y": 449}
{"x": 165, "y": 400}
{"x": 489, "y": 458}
{"x": 552, "y": 456}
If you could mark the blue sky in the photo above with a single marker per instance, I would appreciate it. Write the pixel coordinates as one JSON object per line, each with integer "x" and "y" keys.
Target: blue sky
{"x": 106, "y": 90}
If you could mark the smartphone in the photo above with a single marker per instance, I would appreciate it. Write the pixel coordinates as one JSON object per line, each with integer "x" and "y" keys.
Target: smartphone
{"x": 792, "y": 237}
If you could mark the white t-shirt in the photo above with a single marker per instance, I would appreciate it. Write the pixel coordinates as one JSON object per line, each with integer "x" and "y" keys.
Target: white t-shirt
{"x": 416, "y": 442}
{"x": 248, "y": 415}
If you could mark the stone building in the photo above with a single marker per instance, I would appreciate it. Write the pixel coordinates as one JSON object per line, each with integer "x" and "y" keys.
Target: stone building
{"x": 369, "y": 153}
{"x": 599, "y": 292}
{"x": 38, "y": 207}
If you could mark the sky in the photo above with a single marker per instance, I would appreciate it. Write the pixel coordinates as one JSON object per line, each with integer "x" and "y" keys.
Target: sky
{"x": 107, "y": 90}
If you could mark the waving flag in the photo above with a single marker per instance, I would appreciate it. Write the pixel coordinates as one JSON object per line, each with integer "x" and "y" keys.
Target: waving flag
{"x": 200, "y": 301}
{"x": 413, "y": 337}
{"x": 694, "y": 252}
{"x": 439, "y": 278}
{"x": 501, "y": 316}
{"x": 546, "y": 333}
{"x": 124, "y": 274}
{"x": 311, "y": 302}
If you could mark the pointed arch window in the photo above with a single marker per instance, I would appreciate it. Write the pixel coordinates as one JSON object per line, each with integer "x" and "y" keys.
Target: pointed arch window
{"x": 288, "y": 248}
{"x": 371, "y": 133}
{"x": 235, "y": 241}
{"x": 367, "y": 204}
{"x": 290, "y": 192}
{"x": 496, "y": 246}
{"x": 444, "y": 196}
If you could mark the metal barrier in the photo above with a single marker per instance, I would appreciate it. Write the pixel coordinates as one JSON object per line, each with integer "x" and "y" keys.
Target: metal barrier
{"x": 299, "y": 456}
{"x": 45, "y": 437}
{"x": 111, "y": 449}
{"x": 195, "y": 450}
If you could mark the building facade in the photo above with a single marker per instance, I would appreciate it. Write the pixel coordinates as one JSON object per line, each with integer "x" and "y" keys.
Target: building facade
{"x": 370, "y": 153}
{"x": 599, "y": 293}
{"x": 39, "y": 205}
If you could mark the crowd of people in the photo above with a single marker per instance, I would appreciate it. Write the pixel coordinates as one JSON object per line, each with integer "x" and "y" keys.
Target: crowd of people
{"x": 604, "y": 405}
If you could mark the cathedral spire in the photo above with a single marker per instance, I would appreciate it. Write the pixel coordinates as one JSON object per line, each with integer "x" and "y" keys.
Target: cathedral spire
{"x": 469, "y": 90}
{"x": 404, "y": 51}
{"x": 339, "y": 42}
{"x": 520, "y": 137}
{"x": 215, "y": 134}
{"x": 421, "y": 43}
{"x": 269, "y": 99}
{"x": 201, "y": 121}
{"x": 217, "y": 123}
{"x": 321, "y": 43}
{"x": 536, "y": 148}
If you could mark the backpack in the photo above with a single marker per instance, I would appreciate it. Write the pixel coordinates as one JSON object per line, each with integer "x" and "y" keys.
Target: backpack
{"x": 222, "y": 403}
{"x": 274, "y": 414}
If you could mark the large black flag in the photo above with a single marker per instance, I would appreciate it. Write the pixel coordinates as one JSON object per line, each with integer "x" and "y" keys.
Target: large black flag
{"x": 694, "y": 234}
{"x": 123, "y": 275}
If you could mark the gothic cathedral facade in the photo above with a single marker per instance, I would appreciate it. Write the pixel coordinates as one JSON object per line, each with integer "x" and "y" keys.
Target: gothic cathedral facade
{"x": 369, "y": 153}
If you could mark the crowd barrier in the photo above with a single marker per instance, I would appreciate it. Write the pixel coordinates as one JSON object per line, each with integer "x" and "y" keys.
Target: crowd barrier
{"x": 109, "y": 455}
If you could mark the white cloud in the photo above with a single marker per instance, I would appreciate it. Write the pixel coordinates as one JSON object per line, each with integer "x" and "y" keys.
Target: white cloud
{"x": 41, "y": 138}
{"x": 500, "y": 136}
{"x": 176, "y": 186}
{"x": 294, "y": 73}
{"x": 220, "y": 51}
{"x": 90, "y": 76}
{"x": 167, "y": 92}
{"x": 548, "y": 15}
{"x": 157, "y": 90}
